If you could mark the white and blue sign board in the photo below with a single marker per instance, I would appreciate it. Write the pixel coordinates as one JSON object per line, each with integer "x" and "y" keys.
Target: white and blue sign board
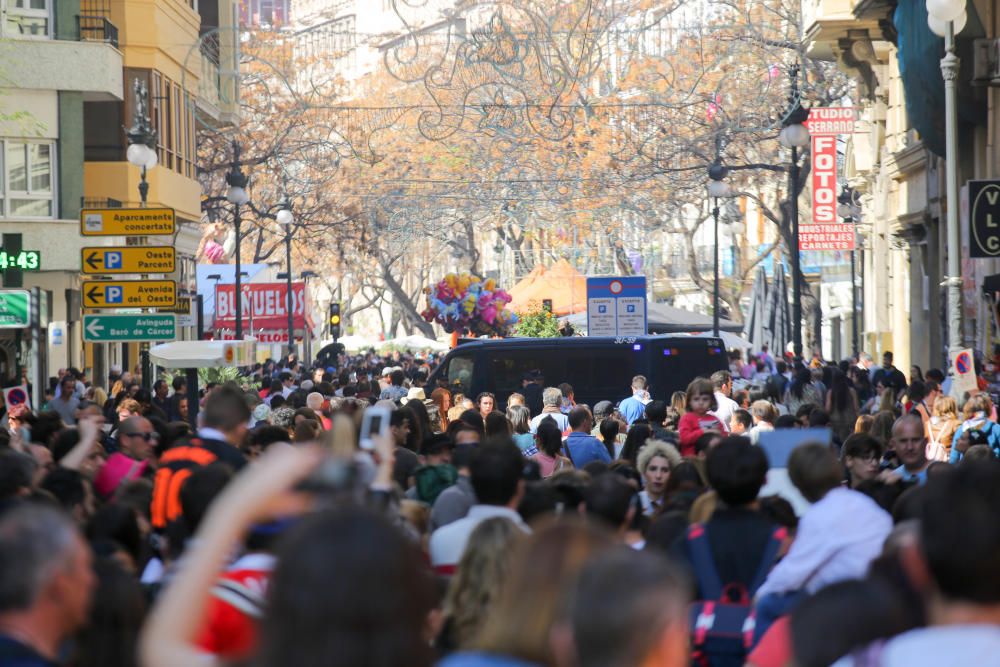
{"x": 616, "y": 306}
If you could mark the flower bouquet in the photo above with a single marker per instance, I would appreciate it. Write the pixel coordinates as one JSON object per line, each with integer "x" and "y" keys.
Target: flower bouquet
{"x": 462, "y": 302}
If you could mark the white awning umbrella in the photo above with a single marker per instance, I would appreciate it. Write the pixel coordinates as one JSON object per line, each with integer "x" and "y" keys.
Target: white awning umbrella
{"x": 417, "y": 342}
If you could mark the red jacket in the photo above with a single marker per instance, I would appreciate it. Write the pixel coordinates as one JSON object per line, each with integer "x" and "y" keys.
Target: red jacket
{"x": 692, "y": 426}
{"x": 236, "y": 605}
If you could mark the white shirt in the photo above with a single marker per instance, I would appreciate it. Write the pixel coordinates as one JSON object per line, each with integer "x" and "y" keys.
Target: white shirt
{"x": 562, "y": 421}
{"x": 837, "y": 539}
{"x": 939, "y": 646}
{"x": 448, "y": 542}
{"x": 727, "y": 407}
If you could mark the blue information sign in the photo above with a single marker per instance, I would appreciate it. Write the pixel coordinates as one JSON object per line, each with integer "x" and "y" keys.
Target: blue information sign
{"x": 616, "y": 306}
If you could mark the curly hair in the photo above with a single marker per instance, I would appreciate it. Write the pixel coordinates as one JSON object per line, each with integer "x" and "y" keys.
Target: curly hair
{"x": 656, "y": 448}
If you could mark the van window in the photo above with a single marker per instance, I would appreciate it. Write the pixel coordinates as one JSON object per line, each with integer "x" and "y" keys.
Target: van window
{"x": 602, "y": 374}
{"x": 508, "y": 369}
{"x": 460, "y": 369}
{"x": 678, "y": 364}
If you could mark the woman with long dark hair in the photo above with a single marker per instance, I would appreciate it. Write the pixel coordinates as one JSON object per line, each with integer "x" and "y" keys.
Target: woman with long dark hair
{"x": 636, "y": 438}
{"x": 842, "y": 406}
{"x": 801, "y": 391}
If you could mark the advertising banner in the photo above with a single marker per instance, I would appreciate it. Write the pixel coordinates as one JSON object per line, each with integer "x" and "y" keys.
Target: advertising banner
{"x": 263, "y": 306}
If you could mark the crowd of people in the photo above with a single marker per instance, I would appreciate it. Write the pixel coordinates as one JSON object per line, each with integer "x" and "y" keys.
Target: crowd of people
{"x": 525, "y": 530}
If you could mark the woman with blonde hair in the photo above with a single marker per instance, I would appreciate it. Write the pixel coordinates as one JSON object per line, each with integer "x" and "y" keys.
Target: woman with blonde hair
{"x": 882, "y": 426}
{"x": 863, "y": 424}
{"x": 543, "y": 568}
{"x": 941, "y": 427}
{"x": 474, "y": 588}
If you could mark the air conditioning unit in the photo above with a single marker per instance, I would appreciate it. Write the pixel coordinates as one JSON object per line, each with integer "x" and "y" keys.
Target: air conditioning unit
{"x": 986, "y": 62}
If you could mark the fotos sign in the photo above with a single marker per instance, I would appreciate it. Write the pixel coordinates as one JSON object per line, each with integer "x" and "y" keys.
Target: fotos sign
{"x": 827, "y": 231}
{"x": 824, "y": 179}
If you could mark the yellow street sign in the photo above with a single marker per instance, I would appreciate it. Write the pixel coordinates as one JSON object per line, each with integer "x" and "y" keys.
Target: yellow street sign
{"x": 128, "y": 259}
{"x": 127, "y": 221}
{"x": 129, "y": 294}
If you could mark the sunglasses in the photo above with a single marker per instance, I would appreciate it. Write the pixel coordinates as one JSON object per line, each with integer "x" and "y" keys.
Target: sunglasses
{"x": 145, "y": 436}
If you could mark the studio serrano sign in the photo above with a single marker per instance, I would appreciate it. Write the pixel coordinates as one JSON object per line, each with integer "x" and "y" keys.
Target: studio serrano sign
{"x": 983, "y": 205}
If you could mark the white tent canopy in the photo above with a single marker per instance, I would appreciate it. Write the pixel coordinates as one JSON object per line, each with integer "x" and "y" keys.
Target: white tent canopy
{"x": 203, "y": 353}
{"x": 354, "y": 342}
{"x": 416, "y": 342}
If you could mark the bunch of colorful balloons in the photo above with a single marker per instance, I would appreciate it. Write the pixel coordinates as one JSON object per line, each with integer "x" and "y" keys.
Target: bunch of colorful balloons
{"x": 462, "y": 302}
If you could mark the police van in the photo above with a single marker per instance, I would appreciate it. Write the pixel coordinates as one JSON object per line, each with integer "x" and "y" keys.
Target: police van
{"x": 598, "y": 368}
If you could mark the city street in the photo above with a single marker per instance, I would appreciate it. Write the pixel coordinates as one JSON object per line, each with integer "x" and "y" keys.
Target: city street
{"x": 514, "y": 333}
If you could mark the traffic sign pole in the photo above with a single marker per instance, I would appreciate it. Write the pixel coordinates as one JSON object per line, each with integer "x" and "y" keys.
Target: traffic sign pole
{"x": 129, "y": 294}
{"x": 109, "y": 260}
{"x": 127, "y": 221}
{"x": 139, "y": 328}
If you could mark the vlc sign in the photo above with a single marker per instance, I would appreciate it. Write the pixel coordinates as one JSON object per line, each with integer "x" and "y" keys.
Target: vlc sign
{"x": 983, "y": 206}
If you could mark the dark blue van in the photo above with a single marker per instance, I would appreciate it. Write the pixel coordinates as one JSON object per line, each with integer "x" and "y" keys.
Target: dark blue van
{"x": 597, "y": 368}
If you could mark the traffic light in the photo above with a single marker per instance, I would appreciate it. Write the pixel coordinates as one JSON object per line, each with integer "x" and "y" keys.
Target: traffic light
{"x": 334, "y": 320}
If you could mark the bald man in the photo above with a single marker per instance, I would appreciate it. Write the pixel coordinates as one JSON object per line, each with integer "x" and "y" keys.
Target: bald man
{"x": 910, "y": 444}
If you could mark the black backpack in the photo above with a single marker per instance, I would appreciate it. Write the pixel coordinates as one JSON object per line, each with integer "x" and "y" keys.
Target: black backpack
{"x": 723, "y": 622}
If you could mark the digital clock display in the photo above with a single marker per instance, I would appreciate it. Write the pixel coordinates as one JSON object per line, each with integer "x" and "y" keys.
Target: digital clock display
{"x": 26, "y": 260}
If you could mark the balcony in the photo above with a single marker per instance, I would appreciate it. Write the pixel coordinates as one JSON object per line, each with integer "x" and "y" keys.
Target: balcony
{"x": 218, "y": 80}
{"x": 832, "y": 26}
{"x": 96, "y": 29}
{"x": 90, "y": 65}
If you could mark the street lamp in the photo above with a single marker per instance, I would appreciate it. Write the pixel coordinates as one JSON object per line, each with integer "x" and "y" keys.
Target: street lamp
{"x": 286, "y": 219}
{"x": 717, "y": 187}
{"x": 846, "y": 208}
{"x": 141, "y": 136}
{"x": 215, "y": 278}
{"x": 946, "y": 18}
{"x": 237, "y": 196}
{"x": 794, "y": 135}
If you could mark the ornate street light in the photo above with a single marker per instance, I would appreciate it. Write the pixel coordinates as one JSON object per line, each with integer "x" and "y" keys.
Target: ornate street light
{"x": 285, "y": 218}
{"x": 237, "y": 196}
{"x": 717, "y": 187}
{"x": 846, "y": 209}
{"x": 794, "y": 135}
{"x": 141, "y": 137}
{"x": 947, "y": 18}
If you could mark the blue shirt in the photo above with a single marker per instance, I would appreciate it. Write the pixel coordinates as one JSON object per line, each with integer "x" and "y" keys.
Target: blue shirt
{"x": 632, "y": 409}
{"x": 584, "y": 448}
{"x": 919, "y": 478}
{"x": 479, "y": 659}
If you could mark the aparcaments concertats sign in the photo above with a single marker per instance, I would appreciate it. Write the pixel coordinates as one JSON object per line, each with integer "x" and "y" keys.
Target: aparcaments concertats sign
{"x": 827, "y": 231}
{"x": 263, "y": 306}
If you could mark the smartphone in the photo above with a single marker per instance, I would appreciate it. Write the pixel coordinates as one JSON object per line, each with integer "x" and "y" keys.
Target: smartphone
{"x": 374, "y": 422}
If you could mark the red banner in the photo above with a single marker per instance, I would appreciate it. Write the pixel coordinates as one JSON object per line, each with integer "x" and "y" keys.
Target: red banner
{"x": 824, "y": 179}
{"x": 263, "y": 306}
{"x": 262, "y": 335}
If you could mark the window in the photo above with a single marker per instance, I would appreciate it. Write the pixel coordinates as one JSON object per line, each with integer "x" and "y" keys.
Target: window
{"x": 27, "y": 18}
{"x": 459, "y": 371}
{"x": 26, "y": 178}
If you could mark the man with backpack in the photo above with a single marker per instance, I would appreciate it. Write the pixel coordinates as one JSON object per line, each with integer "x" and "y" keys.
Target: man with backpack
{"x": 224, "y": 420}
{"x": 730, "y": 555}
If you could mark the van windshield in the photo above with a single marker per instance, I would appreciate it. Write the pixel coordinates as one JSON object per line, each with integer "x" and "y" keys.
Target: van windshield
{"x": 460, "y": 369}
